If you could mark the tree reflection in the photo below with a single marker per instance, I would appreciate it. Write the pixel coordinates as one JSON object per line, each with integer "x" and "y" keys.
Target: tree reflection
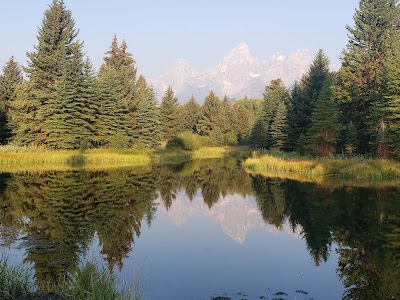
{"x": 60, "y": 213}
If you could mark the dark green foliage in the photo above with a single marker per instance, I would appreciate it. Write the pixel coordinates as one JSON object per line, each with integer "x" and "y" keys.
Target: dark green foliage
{"x": 360, "y": 78}
{"x": 9, "y": 81}
{"x": 301, "y": 144}
{"x": 351, "y": 139}
{"x": 304, "y": 97}
{"x": 55, "y": 64}
{"x": 279, "y": 127}
{"x": 263, "y": 135}
{"x": 169, "y": 110}
{"x": 391, "y": 112}
{"x": 242, "y": 120}
{"x": 210, "y": 117}
{"x": 147, "y": 133}
{"x": 189, "y": 113}
{"x": 112, "y": 124}
{"x": 325, "y": 127}
{"x": 56, "y": 36}
{"x": 121, "y": 61}
{"x": 70, "y": 116}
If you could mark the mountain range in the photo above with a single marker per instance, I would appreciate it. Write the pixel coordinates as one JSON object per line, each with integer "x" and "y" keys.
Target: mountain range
{"x": 238, "y": 75}
{"x": 236, "y": 215}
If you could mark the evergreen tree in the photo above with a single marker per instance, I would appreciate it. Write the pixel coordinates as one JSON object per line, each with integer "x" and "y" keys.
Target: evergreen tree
{"x": 56, "y": 44}
{"x": 311, "y": 86}
{"x": 392, "y": 81}
{"x": 225, "y": 116}
{"x": 71, "y": 113}
{"x": 169, "y": 110}
{"x": 351, "y": 139}
{"x": 279, "y": 127}
{"x": 190, "y": 114}
{"x": 325, "y": 127}
{"x": 242, "y": 121}
{"x": 119, "y": 59}
{"x": 275, "y": 94}
{"x": 359, "y": 86}
{"x": 9, "y": 80}
{"x": 112, "y": 124}
{"x": 147, "y": 133}
{"x": 296, "y": 115}
{"x": 210, "y": 118}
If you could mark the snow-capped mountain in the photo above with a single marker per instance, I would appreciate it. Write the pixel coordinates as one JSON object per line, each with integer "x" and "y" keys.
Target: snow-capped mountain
{"x": 237, "y": 75}
{"x": 234, "y": 214}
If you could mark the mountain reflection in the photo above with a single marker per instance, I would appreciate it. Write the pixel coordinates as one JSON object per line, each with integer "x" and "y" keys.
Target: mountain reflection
{"x": 58, "y": 215}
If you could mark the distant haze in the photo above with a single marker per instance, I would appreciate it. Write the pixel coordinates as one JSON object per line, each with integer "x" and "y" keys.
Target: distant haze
{"x": 237, "y": 75}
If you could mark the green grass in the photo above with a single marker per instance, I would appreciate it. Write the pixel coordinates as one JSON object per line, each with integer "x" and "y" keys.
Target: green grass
{"x": 15, "y": 159}
{"x": 88, "y": 282}
{"x": 92, "y": 283}
{"x": 14, "y": 281}
{"x": 306, "y": 169}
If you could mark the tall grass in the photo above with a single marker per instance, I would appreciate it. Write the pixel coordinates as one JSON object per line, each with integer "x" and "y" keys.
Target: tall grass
{"x": 92, "y": 283}
{"x": 354, "y": 169}
{"x": 88, "y": 282}
{"x": 14, "y": 158}
{"x": 14, "y": 281}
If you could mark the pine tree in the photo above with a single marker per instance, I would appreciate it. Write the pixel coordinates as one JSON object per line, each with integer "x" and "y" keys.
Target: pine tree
{"x": 9, "y": 81}
{"x": 279, "y": 127}
{"x": 311, "y": 86}
{"x": 56, "y": 40}
{"x": 169, "y": 110}
{"x": 392, "y": 96}
{"x": 325, "y": 126}
{"x": 209, "y": 119}
{"x": 296, "y": 115}
{"x": 363, "y": 60}
{"x": 147, "y": 133}
{"x": 274, "y": 94}
{"x": 71, "y": 119}
{"x": 225, "y": 114}
{"x": 112, "y": 124}
{"x": 122, "y": 62}
{"x": 351, "y": 139}
{"x": 190, "y": 114}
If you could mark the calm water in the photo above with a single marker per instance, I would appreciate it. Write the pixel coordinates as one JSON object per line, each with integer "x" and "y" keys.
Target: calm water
{"x": 204, "y": 229}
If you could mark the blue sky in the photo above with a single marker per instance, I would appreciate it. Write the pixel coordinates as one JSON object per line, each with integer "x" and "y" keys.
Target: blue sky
{"x": 159, "y": 32}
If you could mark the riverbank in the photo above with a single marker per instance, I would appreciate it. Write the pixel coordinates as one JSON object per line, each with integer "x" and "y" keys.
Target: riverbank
{"x": 15, "y": 159}
{"x": 324, "y": 169}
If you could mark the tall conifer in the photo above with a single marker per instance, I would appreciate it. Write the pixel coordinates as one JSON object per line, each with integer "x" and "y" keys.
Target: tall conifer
{"x": 9, "y": 81}
{"x": 359, "y": 87}
{"x": 169, "y": 114}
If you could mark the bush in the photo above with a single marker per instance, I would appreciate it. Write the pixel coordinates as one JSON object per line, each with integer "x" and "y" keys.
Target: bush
{"x": 230, "y": 139}
{"x": 185, "y": 140}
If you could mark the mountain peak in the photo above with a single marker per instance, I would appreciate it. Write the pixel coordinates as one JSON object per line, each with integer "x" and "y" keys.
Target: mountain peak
{"x": 237, "y": 75}
{"x": 241, "y": 50}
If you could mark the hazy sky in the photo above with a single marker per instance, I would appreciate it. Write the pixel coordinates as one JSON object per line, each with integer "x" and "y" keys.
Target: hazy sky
{"x": 159, "y": 32}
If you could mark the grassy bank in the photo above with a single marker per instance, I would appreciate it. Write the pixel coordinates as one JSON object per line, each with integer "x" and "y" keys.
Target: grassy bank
{"x": 14, "y": 159}
{"x": 88, "y": 282}
{"x": 297, "y": 168}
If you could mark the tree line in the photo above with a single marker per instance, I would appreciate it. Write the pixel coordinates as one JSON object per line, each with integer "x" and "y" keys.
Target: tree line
{"x": 63, "y": 104}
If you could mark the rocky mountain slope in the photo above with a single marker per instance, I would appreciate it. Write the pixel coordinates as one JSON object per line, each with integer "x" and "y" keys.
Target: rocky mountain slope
{"x": 237, "y": 75}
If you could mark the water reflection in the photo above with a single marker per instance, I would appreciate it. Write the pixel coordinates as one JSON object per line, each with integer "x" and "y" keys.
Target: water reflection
{"x": 58, "y": 214}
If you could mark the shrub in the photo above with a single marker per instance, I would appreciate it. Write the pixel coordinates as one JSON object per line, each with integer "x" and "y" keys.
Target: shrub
{"x": 230, "y": 139}
{"x": 185, "y": 140}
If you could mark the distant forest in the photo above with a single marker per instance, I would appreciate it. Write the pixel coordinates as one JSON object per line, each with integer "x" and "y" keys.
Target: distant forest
{"x": 61, "y": 103}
